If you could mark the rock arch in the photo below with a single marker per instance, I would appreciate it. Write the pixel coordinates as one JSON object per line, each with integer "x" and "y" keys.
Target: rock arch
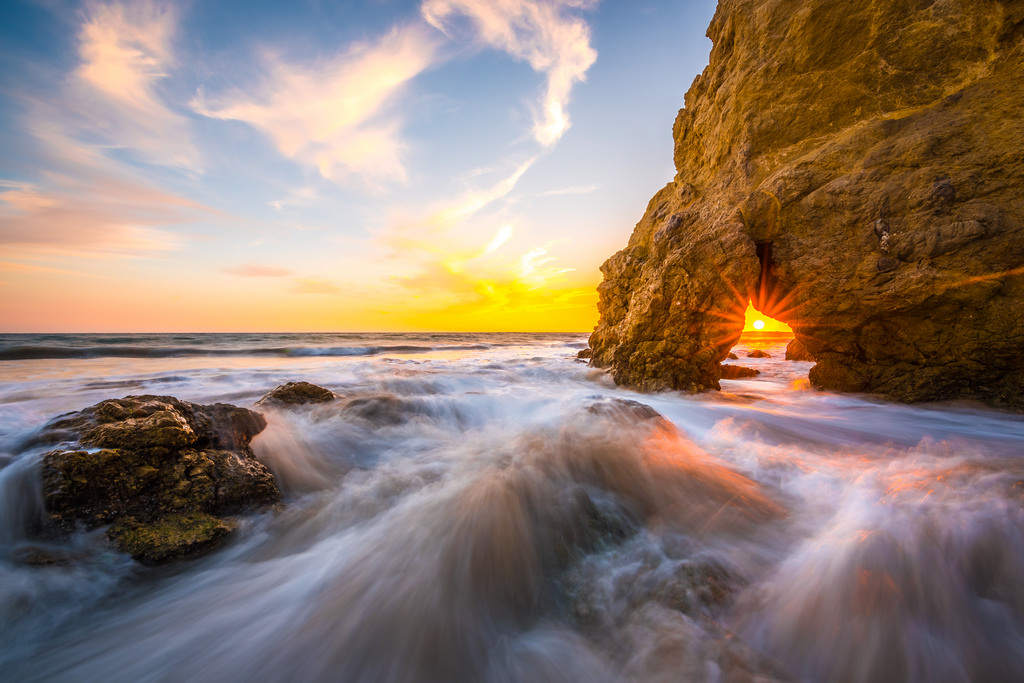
{"x": 874, "y": 193}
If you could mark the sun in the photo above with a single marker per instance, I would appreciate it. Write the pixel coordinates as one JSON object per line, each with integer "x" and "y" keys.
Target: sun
{"x": 756, "y": 321}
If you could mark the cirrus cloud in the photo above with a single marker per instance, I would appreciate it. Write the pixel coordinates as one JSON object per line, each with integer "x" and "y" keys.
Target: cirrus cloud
{"x": 544, "y": 33}
{"x": 335, "y": 115}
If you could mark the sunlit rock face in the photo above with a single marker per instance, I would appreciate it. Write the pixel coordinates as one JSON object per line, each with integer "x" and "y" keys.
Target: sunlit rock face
{"x": 857, "y": 170}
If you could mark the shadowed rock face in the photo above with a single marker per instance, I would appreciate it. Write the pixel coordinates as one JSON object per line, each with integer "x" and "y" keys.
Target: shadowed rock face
{"x": 857, "y": 170}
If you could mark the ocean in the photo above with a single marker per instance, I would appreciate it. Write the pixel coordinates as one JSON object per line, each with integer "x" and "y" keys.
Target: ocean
{"x": 767, "y": 531}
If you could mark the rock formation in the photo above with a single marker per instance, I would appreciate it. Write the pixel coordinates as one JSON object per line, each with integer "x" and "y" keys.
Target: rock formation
{"x": 856, "y": 169}
{"x": 795, "y": 350}
{"x": 160, "y": 471}
{"x": 296, "y": 394}
{"x": 738, "y": 371}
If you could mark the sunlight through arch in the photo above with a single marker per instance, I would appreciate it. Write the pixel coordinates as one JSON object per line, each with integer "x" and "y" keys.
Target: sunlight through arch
{"x": 754, "y": 321}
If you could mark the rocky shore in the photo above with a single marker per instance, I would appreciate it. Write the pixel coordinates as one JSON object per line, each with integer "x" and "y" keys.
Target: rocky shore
{"x": 166, "y": 477}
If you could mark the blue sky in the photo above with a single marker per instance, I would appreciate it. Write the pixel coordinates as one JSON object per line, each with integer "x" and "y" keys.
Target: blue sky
{"x": 444, "y": 164}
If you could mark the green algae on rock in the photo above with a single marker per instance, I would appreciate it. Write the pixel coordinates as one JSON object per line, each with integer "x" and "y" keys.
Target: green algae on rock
{"x": 150, "y": 465}
{"x": 854, "y": 169}
{"x": 171, "y": 537}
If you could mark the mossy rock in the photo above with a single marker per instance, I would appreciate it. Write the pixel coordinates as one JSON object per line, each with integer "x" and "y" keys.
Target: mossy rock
{"x": 172, "y": 537}
{"x": 134, "y": 461}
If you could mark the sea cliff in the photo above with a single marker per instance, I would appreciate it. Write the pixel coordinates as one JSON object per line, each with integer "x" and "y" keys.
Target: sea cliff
{"x": 857, "y": 170}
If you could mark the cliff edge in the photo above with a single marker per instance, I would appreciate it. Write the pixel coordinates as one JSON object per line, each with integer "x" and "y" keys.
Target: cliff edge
{"x": 857, "y": 170}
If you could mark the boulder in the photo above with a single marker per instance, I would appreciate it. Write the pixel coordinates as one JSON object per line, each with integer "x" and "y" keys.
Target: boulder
{"x": 738, "y": 371}
{"x": 853, "y": 169}
{"x": 732, "y": 356}
{"x": 296, "y": 394}
{"x": 162, "y": 471}
{"x": 585, "y": 354}
{"x": 758, "y": 353}
{"x": 796, "y": 350}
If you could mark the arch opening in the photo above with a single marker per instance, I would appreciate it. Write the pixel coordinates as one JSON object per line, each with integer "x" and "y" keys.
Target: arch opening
{"x": 762, "y": 336}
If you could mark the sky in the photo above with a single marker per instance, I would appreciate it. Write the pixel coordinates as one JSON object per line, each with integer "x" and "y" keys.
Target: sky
{"x": 451, "y": 165}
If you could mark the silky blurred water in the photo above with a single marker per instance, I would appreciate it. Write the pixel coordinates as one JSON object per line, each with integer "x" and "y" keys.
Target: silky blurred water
{"x": 502, "y": 518}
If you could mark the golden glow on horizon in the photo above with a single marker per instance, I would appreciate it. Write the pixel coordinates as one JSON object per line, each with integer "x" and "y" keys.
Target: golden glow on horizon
{"x": 755, "y": 321}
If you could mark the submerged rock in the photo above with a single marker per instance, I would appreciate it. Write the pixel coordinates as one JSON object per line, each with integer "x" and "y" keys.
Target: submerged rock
{"x": 738, "y": 371}
{"x": 295, "y": 394}
{"x": 854, "y": 169}
{"x": 384, "y": 410}
{"x": 161, "y": 470}
{"x": 41, "y": 556}
{"x": 796, "y": 350}
{"x": 758, "y": 353}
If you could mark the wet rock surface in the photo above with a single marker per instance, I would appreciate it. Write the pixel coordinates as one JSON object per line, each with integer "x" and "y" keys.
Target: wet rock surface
{"x": 854, "y": 169}
{"x": 796, "y": 350}
{"x": 738, "y": 371}
{"x": 758, "y": 353}
{"x": 162, "y": 471}
{"x": 296, "y": 394}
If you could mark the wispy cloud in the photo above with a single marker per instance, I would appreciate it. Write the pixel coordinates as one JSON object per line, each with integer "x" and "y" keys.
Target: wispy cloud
{"x": 100, "y": 216}
{"x": 125, "y": 52}
{"x": 335, "y": 115}
{"x": 257, "y": 270}
{"x": 548, "y": 34}
{"x": 432, "y": 230}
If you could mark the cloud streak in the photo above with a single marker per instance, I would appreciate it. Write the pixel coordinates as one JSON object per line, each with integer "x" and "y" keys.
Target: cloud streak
{"x": 98, "y": 216}
{"x": 335, "y": 115}
{"x": 547, "y": 34}
{"x": 125, "y": 52}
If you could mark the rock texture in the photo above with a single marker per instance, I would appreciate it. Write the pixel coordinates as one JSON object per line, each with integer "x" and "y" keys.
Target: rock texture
{"x": 795, "y": 350}
{"x": 738, "y": 371}
{"x": 857, "y": 170}
{"x": 296, "y": 394}
{"x": 160, "y": 471}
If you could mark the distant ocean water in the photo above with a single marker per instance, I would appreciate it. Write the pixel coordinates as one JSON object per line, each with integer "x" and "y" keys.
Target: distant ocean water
{"x": 55, "y": 346}
{"x": 441, "y": 541}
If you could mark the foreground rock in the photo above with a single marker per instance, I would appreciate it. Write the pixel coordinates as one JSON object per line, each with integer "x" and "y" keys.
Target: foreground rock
{"x": 296, "y": 394}
{"x": 854, "y": 168}
{"x": 160, "y": 471}
{"x": 738, "y": 371}
{"x": 796, "y": 350}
